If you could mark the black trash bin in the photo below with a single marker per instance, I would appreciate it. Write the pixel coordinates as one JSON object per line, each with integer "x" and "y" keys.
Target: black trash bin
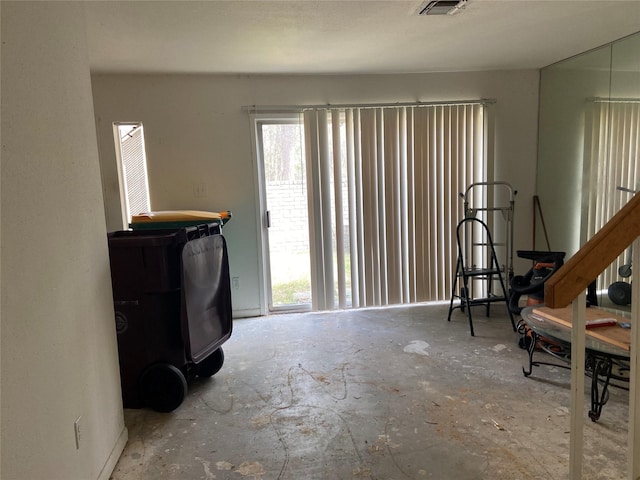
{"x": 172, "y": 300}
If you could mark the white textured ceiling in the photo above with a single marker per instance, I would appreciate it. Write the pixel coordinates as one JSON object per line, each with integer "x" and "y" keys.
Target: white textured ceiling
{"x": 346, "y": 36}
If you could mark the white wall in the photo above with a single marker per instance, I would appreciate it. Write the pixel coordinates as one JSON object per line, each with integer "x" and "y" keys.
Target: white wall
{"x": 59, "y": 356}
{"x": 561, "y": 151}
{"x": 196, "y": 131}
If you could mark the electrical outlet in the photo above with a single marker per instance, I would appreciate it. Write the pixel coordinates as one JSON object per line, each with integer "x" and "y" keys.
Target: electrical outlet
{"x": 78, "y": 431}
{"x": 199, "y": 189}
{"x": 235, "y": 283}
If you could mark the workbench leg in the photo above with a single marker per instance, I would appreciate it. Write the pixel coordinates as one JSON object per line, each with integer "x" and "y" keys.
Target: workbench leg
{"x": 530, "y": 349}
{"x": 601, "y": 370}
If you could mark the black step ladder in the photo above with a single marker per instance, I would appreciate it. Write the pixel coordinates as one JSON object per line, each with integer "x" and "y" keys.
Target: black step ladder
{"x": 477, "y": 270}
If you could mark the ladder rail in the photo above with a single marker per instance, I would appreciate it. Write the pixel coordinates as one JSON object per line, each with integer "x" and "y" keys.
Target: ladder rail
{"x": 484, "y": 192}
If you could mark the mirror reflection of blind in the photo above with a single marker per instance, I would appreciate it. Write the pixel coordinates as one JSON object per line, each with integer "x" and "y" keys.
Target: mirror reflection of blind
{"x": 135, "y": 172}
{"x": 612, "y": 144}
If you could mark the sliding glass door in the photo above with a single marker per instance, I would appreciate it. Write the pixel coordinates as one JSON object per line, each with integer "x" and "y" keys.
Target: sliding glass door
{"x": 284, "y": 218}
{"x": 359, "y": 205}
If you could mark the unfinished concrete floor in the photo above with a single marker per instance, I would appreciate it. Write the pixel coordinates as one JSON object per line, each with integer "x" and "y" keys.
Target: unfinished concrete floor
{"x": 395, "y": 393}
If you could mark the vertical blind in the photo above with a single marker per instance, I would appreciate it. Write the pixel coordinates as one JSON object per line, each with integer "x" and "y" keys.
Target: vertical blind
{"x": 383, "y": 199}
{"x": 612, "y": 149}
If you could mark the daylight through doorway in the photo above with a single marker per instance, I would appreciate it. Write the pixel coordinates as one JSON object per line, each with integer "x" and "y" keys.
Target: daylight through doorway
{"x": 286, "y": 215}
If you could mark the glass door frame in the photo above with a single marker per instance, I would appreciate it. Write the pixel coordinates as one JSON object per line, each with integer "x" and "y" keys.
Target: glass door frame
{"x": 264, "y": 260}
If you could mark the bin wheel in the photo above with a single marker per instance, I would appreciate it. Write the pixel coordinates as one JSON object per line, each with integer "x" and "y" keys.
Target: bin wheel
{"x": 212, "y": 364}
{"x": 163, "y": 387}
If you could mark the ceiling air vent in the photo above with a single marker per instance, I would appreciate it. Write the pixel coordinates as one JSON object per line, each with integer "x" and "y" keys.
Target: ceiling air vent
{"x": 442, "y": 7}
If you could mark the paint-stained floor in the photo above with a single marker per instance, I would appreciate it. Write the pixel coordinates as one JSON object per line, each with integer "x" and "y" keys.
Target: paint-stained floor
{"x": 384, "y": 394}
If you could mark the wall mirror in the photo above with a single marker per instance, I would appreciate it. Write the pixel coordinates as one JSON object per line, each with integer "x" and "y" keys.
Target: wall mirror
{"x": 588, "y": 146}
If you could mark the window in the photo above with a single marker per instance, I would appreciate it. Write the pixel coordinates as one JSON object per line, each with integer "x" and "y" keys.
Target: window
{"x": 132, "y": 170}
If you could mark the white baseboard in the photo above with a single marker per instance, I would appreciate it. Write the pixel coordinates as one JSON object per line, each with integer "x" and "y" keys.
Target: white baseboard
{"x": 111, "y": 462}
{"x": 249, "y": 312}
